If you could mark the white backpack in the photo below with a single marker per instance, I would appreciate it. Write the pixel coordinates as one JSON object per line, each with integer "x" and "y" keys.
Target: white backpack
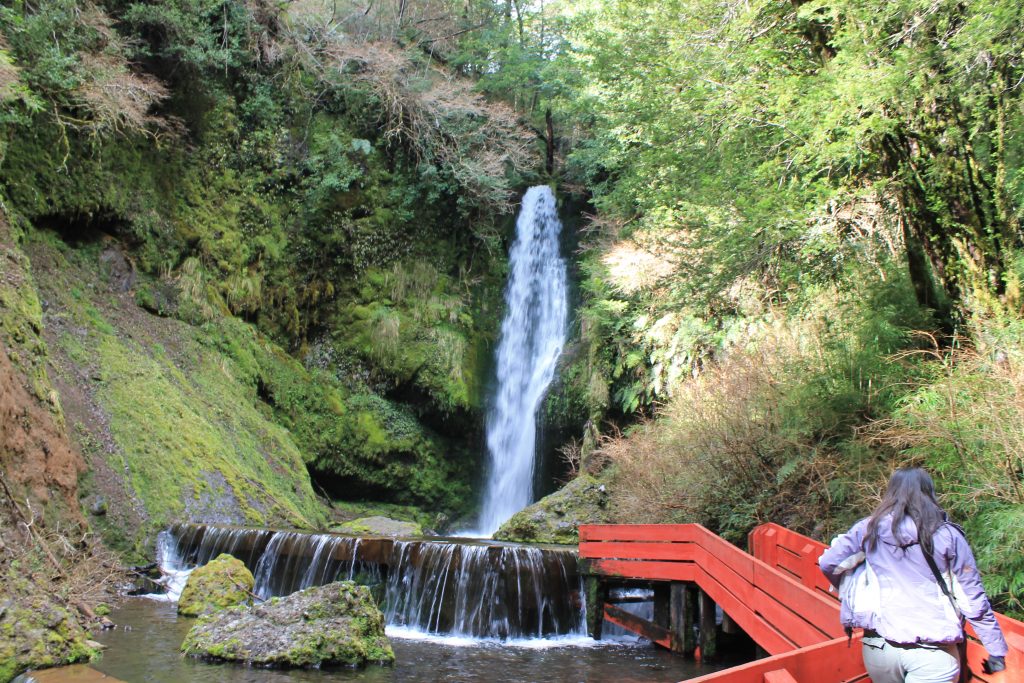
{"x": 859, "y": 593}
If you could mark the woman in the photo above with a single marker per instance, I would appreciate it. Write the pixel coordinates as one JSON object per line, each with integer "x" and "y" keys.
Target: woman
{"x": 913, "y": 638}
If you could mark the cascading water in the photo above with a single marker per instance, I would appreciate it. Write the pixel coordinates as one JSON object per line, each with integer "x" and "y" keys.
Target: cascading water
{"x": 532, "y": 337}
{"x": 173, "y": 571}
{"x": 483, "y": 591}
{"x": 439, "y": 587}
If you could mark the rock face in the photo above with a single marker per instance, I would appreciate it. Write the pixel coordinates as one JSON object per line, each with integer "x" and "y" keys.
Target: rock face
{"x": 224, "y": 582}
{"x": 334, "y": 625}
{"x": 37, "y": 632}
{"x": 380, "y": 526}
{"x": 557, "y": 518}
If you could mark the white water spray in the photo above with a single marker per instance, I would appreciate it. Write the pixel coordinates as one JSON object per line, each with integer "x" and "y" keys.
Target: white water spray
{"x": 532, "y": 337}
{"x": 173, "y": 572}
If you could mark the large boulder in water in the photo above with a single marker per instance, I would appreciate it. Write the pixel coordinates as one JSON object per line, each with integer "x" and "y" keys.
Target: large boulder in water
{"x": 332, "y": 625}
{"x": 557, "y": 518}
{"x": 221, "y": 583}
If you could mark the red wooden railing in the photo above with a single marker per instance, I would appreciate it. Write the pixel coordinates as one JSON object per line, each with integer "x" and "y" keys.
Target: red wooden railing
{"x": 797, "y": 556}
{"x": 776, "y": 595}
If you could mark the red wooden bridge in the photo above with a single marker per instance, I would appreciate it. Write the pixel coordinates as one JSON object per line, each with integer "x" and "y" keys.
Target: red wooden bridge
{"x": 775, "y": 594}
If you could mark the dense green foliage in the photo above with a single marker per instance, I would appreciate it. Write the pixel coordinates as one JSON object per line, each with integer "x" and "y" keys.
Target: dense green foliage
{"x": 280, "y": 187}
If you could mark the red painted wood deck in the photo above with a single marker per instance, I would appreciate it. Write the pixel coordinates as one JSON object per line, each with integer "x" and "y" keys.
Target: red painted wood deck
{"x": 776, "y": 594}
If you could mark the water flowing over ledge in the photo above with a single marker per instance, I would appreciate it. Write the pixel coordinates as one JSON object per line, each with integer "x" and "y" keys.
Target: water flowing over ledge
{"x": 449, "y": 587}
{"x": 532, "y": 337}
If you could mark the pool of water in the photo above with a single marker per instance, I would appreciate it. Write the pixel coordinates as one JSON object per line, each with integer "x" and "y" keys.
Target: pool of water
{"x": 144, "y": 648}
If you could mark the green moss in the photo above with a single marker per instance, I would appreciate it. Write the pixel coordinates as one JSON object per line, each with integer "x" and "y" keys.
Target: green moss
{"x": 159, "y": 411}
{"x": 221, "y": 583}
{"x": 346, "y": 511}
{"x": 427, "y": 335}
{"x": 190, "y": 438}
{"x": 380, "y": 526}
{"x": 557, "y": 518}
{"x": 21, "y": 315}
{"x": 336, "y": 624}
{"x": 36, "y": 631}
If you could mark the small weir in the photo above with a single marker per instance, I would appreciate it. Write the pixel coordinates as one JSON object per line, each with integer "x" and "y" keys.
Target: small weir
{"x": 453, "y": 587}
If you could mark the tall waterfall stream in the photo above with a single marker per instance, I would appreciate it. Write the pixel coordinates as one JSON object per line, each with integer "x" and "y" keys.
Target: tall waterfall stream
{"x": 532, "y": 337}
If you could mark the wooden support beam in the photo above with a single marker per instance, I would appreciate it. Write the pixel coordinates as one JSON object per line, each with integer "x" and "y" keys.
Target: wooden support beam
{"x": 627, "y": 599}
{"x": 661, "y": 604}
{"x": 638, "y": 625}
{"x": 597, "y": 593}
{"x": 708, "y": 628}
{"x": 682, "y": 598}
{"x": 779, "y": 676}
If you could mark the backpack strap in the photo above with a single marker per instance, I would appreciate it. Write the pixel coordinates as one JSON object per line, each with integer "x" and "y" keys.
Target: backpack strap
{"x": 965, "y": 672}
{"x": 941, "y": 581}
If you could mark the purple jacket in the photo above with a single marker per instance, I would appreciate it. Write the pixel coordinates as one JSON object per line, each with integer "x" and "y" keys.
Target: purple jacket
{"x": 914, "y": 607}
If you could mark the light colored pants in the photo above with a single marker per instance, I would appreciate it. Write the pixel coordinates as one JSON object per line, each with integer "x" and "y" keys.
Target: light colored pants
{"x": 887, "y": 663}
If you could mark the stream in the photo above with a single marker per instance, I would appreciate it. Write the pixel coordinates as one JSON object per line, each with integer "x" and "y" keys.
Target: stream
{"x": 456, "y": 610}
{"x": 144, "y": 647}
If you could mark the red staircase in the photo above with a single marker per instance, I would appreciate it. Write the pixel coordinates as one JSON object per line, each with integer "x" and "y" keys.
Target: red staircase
{"x": 776, "y": 594}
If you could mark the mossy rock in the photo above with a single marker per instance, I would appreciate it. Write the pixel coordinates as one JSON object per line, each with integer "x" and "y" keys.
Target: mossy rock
{"x": 557, "y": 518}
{"x": 222, "y": 583}
{"x": 37, "y": 632}
{"x": 334, "y": 625}
{"x": 380, "y": 526}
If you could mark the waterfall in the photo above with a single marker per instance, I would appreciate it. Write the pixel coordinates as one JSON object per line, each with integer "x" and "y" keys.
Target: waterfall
{"x": 532, "y": 337}
{"x": 449, "y": 587}
{"x": 173, "y": 570}
{"x": 483, "y": 591}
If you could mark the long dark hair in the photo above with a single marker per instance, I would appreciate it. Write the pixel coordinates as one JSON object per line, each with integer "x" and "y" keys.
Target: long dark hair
{"x": 911, "y": 493}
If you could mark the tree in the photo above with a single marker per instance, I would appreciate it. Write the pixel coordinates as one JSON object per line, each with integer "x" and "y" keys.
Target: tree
{"x": 737, "y": 124}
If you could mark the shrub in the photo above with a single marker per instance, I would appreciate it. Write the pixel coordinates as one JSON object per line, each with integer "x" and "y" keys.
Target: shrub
{"x": 964, "y": 420}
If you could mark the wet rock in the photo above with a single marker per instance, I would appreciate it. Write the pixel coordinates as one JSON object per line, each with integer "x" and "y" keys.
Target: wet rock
{"x": 380, "y": 526}
{"x": 118, "y": 268}
{"x": 159, "y": 298}
{"x": 557, "y": 518}
{"x": 332, "y": 625}
{"x": 37, "y": 632}
{"x": 223, "y": 582}
{"x": 98, "y": 507}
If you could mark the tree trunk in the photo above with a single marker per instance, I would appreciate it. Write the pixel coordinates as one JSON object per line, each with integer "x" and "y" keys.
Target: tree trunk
{"x": 549, "y": 166}
{"x": 954, "y": 252}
